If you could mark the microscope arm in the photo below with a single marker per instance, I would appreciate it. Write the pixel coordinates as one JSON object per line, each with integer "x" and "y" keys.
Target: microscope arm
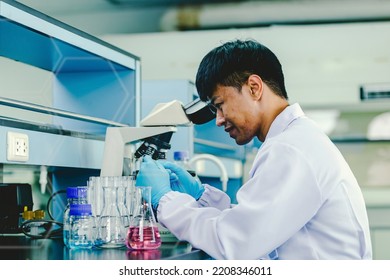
{"x": 163, "y": 119}
{"x": 117, "y": 138}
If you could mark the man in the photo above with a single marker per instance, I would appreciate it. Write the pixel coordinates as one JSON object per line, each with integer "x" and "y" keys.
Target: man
{"x": 301, "y": 202}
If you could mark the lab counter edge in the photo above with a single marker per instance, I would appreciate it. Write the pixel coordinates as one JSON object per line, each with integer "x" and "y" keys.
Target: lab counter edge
{"x": 20, "y": 247}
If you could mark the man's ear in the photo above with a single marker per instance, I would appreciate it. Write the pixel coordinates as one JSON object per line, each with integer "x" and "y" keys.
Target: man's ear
{"x": 256, "y": 87}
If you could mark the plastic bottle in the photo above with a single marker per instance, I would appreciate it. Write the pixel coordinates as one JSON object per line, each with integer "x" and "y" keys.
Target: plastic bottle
{"x": 181, "y": 158}
{"x": 81, "y": 226}
{"x": 75, "y": 195}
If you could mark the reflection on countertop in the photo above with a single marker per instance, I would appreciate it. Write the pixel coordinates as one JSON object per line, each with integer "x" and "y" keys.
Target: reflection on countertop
{"x": 20, "y": 247}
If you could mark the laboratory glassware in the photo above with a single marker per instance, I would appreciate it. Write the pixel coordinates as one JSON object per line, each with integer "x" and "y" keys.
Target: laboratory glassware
{"x": 130, "y": 195}
{"x": 181, "y": 158}
{"x": 75, "y": 195}
{"x": 111, "y": 230}
{"x": 124, "y": 202}
{"x": 143, "y": 233}
{"x": 95, "y": 195}
{"x": 81, "y": 231}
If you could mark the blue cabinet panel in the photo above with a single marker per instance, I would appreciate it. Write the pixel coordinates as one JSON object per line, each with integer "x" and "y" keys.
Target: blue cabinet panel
{"x": 92, "y": 79}
{"x": 107, "y": 95}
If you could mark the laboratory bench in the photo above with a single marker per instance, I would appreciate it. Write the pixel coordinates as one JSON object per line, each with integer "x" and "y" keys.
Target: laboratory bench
{"x": 20, "y": 247}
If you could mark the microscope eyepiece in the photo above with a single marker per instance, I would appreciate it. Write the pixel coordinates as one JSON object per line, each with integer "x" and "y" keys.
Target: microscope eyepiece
{"x": 199, "y": 112}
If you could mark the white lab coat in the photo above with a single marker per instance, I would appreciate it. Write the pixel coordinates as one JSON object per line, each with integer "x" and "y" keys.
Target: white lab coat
{"x": 301, "y": 202}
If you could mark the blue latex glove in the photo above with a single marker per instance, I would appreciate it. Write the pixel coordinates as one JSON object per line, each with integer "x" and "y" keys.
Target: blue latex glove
{"x": 184, "y": 180}
{"x": 153, "y": 174}
{"x": 175, "y": 183}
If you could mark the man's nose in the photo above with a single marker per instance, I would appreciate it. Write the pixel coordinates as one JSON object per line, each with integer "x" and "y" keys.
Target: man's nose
{"x": 219, "y": 118}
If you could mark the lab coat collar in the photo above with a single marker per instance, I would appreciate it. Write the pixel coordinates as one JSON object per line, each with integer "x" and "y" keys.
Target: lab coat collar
{"x": 284, "y": 119}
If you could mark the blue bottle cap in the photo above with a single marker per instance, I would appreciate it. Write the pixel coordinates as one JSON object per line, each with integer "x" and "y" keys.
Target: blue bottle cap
{"x": 80, "y": 210}
{"x": 180, "y": 155}
{"x": 76, "y": 192}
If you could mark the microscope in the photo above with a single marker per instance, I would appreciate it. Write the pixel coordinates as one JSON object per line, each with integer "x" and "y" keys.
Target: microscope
{"x": 122, "y": 149}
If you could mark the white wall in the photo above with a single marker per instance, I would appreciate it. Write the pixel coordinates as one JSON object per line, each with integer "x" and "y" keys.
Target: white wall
{"x": 323, "y": 64}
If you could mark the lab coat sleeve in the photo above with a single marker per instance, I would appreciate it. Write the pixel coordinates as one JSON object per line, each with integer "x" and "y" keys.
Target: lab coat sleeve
{"x": 277, "y": 201}
{"x": 213, "y": 197}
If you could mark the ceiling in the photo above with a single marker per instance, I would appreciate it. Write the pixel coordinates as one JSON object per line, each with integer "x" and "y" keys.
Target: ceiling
{"x": 142, "y": 16}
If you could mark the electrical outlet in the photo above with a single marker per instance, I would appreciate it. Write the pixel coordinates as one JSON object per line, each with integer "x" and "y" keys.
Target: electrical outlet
{"x": 17, "y": 147}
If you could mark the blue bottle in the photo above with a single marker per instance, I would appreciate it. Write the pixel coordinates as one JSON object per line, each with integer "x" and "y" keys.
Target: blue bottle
{"x": 75, "y": 195}
{"x": 81, "y": 227}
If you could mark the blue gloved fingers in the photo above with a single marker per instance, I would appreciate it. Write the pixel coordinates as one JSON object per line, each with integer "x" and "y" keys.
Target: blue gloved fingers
{"x": 180, "y": 172}
{"x": 174, "y": 167}
{"x": 147, "y": 158}
{"x": 187, "y": 183}
{"x": 153, "y": 174}
{"x": 158, "y": 163}
{"x": 172, "y": 176}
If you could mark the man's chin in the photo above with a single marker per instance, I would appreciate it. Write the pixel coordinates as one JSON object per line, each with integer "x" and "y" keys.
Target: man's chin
{"x": 241, "y": 142}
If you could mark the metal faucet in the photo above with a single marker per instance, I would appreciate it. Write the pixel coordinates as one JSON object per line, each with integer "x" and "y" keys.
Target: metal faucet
{"x": 224, "y": 176}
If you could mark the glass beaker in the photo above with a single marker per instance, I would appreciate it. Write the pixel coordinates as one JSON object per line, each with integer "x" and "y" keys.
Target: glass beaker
{"x": 123, "y": 199}
{"x": 143, "y": 233}
{"x": 130, "y": 195}
{"x": 111, "y": 230}
{"x": 95, "y": 195}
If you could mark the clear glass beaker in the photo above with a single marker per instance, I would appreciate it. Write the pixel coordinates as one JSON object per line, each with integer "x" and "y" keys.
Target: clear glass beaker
{"x": 95, "y": 195}
{"x": 111, "y": 230}
{"x": 130, "y": 195}
{"x": 123, "y": 199}
{"x": 143, "y": 233}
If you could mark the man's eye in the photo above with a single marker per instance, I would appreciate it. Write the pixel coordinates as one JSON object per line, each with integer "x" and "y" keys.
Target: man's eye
{"x": 218, "y": 106}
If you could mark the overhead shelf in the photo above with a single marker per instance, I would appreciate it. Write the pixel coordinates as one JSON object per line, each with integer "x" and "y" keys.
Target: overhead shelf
{"x": 363, "y": 106}
{"x": 37, "y": 39}
{"x": 92, "y": 80}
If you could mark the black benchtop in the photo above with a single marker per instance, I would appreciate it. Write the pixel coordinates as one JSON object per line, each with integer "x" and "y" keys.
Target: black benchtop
{"x": 20, "y": 247}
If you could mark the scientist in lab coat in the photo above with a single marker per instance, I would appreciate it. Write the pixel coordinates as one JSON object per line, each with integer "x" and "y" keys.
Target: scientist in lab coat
{"x": 302, "y": 200}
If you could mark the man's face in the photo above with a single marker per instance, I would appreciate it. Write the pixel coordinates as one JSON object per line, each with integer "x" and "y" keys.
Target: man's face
{"x": 236, "y": 113}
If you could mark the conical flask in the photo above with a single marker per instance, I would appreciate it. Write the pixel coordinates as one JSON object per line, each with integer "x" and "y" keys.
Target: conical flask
{"x": 111, "y": 230}
{"x": 143, "y": 233}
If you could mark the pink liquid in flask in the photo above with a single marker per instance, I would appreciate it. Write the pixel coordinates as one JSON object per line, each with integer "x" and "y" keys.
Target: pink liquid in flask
{"x": 146, "y": 240}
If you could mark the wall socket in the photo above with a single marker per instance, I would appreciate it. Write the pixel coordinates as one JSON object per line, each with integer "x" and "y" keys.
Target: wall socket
{"x": 17, "y": 147}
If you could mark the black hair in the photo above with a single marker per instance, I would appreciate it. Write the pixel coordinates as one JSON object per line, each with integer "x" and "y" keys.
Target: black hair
{"x": 232, "y": 63}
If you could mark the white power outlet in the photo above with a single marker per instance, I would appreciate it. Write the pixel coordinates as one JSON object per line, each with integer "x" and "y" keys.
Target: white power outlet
{"x": 17, "y": 147}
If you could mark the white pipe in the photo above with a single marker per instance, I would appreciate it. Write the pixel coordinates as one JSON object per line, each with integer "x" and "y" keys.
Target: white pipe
{"x": 224, "y": 175}
{"x": 251, "y": 13}
{"x": 43, "y": 178}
